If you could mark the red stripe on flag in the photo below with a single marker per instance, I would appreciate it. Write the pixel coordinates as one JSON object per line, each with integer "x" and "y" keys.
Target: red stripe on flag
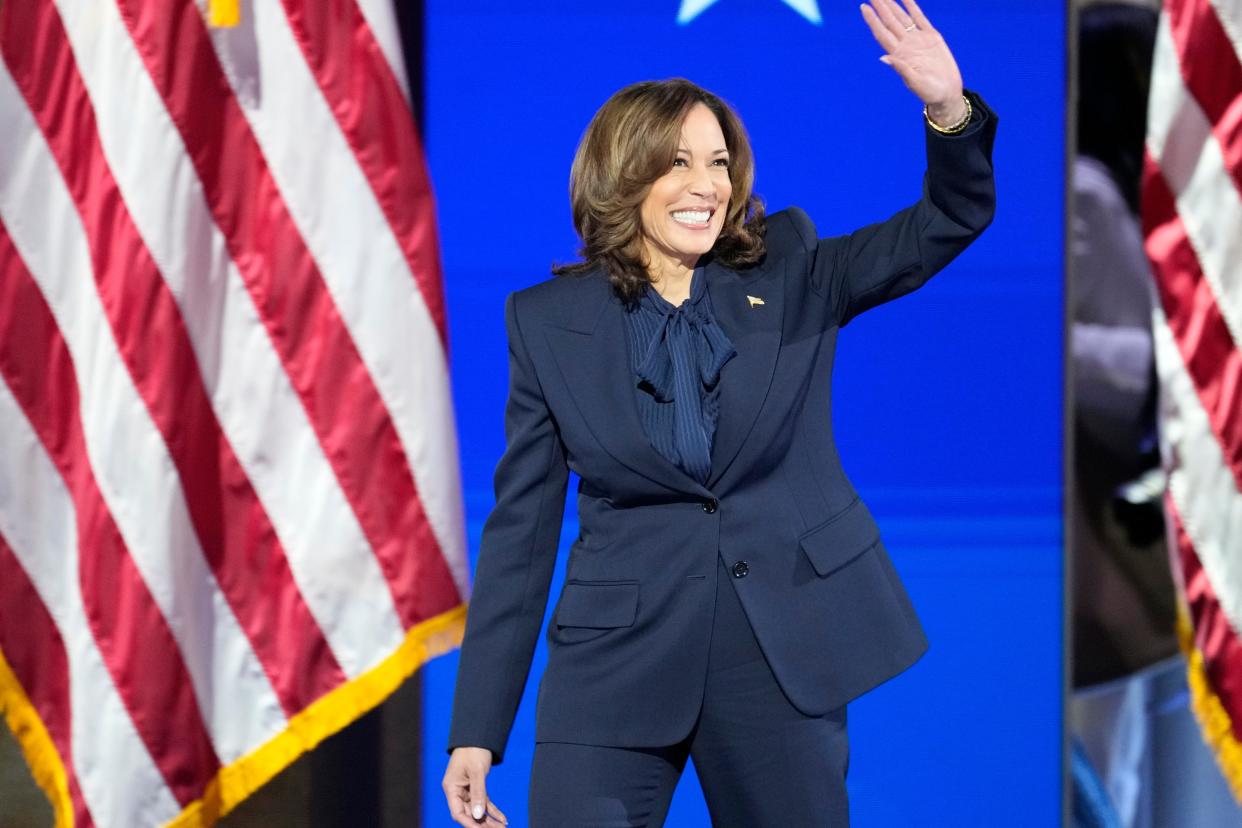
{"x": 372, "y": 112}
{"x": 134, "y": 639}
{"x": 1215, "y": 638}
{"x": 34, "y": 649}
{"x": 1203, "y": 338}
{"x": 345, "y": 409}
{"x": 236, "y": 535}
{"x": 1212, "y": 73}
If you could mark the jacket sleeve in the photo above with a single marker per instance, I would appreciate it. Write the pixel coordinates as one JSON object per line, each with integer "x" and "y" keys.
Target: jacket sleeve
{"x": 517, "y": 555}
{"x": 883, "y": 261}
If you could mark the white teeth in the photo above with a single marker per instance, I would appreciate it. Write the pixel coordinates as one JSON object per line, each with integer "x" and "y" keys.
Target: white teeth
{"x": 692, "y": 216}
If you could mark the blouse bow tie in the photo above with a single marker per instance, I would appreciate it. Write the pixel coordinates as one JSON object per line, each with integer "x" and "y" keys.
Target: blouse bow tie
{"x": 682, "y": 366}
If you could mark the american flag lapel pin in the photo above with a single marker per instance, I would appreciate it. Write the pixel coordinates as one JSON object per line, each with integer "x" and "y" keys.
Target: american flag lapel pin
{"x": 754, "y": 300}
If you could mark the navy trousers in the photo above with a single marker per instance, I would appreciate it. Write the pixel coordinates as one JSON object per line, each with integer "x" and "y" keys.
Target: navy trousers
{"x": 760, "y": 761}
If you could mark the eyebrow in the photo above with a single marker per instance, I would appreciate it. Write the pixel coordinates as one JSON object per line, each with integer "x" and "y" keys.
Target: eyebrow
{"x": 714, "y": 152}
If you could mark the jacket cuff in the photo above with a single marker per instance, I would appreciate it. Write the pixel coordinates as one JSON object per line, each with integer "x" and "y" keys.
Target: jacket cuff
{"x": 980, "y": 117}
{"x": 462, "y": 739}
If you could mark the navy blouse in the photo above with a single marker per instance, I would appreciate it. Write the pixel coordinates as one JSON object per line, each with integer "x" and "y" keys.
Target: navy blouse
{"x": 676, "y": 353}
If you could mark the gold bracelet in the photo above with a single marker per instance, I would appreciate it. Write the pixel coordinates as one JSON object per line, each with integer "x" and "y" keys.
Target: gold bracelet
{"x": 956, "y": 128}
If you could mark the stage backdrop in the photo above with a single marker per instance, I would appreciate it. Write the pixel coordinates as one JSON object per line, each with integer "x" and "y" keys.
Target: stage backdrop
{"x": 948, "y": 402}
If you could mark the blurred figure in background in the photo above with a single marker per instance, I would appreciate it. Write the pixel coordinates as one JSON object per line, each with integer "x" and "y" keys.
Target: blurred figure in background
{"x": 1124, "y": 608}
{"x": 1129, "y": 714}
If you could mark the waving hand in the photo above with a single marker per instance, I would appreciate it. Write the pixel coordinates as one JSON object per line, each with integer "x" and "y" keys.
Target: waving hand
{"x": 919, "y": 54}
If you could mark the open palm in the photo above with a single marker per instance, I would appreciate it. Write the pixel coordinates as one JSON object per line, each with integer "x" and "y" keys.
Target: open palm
{"x": 915, "y": 50}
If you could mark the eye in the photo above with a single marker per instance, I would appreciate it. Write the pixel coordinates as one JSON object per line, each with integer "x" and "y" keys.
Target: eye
{"x": 679, "y": 162}
{"x": 721, "y": 162}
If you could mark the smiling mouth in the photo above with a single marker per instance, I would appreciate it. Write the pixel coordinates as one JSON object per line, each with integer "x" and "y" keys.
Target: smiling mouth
{"x": 694, "y": 219}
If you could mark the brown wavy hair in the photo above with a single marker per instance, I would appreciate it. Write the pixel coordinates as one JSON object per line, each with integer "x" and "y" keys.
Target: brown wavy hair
{"x": 631, "y": 142}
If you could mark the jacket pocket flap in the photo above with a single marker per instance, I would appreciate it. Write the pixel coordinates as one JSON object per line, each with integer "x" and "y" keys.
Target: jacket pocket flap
{"x": 598, "y": 604}
{"x": 841, "y": 539}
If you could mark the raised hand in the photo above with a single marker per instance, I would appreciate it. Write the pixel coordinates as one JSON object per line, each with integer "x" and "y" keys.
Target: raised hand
{"x": 919, "y": 55}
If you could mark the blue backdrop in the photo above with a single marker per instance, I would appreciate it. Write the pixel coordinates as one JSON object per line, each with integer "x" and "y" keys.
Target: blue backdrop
{"x": 947, "y": 403}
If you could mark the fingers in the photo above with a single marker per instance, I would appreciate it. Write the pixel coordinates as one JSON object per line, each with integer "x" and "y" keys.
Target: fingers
{"x": 473, "y": 809}
{"x": 890, "y": 24}
{"x": 460, "y": 812}
{"x": 456, "y": 793}
{"x": 466, "y": 791}
{"x": 458, "y": 805}
{"x": 904, "y": 21}
{"x": 915, "y": 50}
{"x": 920, "y": 19}
{"x": 884, "y": 9}
{"x": 478, "y": 799}
{"x": 879, "y": 31}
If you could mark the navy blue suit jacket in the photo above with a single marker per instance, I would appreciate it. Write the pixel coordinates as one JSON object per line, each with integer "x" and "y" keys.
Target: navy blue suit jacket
{"x": 628, "y": 640}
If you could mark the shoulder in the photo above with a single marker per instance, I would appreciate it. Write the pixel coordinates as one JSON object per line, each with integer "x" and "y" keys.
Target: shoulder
{"x": 1102, "y": 219}
{"x": 790, "y": 232}
{"x": 561, "y": 290}
{"x": 559, "y": 300}
{"x": 1094, "y": 188}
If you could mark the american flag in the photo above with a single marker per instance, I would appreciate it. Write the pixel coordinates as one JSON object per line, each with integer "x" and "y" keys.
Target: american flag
{"x": 230, "y": 515}
{"x": 1192, "y": 220}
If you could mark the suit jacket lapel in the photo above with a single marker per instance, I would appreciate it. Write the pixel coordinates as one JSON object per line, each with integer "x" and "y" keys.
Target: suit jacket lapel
{"x": 592, "y": 355}
{"x": 755, "y": 330}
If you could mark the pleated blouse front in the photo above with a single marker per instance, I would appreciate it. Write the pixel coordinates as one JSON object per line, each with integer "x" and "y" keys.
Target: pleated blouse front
{"x": 676, "y": 353}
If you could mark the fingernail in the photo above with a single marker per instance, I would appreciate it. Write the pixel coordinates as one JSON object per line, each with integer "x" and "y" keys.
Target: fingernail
{"x": 478, "y": 811}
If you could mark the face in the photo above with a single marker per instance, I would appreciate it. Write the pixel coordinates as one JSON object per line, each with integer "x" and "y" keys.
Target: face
{"x": 685, "y": 210}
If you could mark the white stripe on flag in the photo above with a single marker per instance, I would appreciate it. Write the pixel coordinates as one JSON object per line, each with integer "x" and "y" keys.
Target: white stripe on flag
{"x": 37, "y": 519}
{"x": 1200, "y": 482}
{"x": 383, "y": 25}
{"x": 352, "y": 243}
{"x": 1179, "y": 137}
{"x": 1229, "y": 12}
{"x": 149, "y": 507}
{"x": 257, "y": 407}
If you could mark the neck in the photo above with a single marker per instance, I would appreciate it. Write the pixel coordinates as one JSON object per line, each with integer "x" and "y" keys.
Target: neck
{"x": 671, "y": 277}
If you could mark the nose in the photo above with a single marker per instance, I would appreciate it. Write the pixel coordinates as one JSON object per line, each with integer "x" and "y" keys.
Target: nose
{"x": 701, "y": 183}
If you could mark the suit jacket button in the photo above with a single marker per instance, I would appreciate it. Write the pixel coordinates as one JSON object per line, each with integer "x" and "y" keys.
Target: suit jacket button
{"x": 709, "y": 506}
{"x": 741, "y": 569}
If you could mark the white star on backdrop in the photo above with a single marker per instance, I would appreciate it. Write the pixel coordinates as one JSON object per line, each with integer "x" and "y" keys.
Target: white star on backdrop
{"x": 691, "y": 9}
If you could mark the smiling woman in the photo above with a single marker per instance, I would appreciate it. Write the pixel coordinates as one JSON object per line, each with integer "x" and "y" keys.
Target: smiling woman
{"x": 654, "y": 148}
{"x": 685, "y": 208}
{"x": 736, "y": 593}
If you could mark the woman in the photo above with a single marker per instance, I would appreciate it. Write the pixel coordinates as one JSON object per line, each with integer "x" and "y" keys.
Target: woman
{"x": 728, "y": 594}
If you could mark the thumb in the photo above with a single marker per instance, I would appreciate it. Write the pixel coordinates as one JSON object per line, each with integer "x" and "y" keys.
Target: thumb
{"x": 901, "y": 65}
{"x": 478, "y": 795}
